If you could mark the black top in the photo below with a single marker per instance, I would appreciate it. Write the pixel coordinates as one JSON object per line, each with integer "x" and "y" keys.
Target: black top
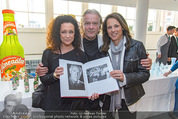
{"x": 91, "y": 48}
{"x": 92, "y": 52}
{"x": 53, "y": 100}
{"x": 173, "y": 48}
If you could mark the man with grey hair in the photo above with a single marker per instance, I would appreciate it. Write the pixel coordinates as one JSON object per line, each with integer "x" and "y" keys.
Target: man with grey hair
{"x": 90, "y": 27}
{"x": 91, "y": 42}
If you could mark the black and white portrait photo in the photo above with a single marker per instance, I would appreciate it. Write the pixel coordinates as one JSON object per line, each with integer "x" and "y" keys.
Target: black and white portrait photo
{"x": 85, "y": 79}
{"x": 98, "y": 73}
{"x": 75, "y": 77}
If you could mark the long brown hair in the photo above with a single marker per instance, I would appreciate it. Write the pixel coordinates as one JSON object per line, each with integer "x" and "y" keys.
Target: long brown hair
{"x": 107, "y": 39}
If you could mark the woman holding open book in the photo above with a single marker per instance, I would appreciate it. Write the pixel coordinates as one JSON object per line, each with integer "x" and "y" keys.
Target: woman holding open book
{"x": 63, "y": 42}
{"x": 126, "y": 54}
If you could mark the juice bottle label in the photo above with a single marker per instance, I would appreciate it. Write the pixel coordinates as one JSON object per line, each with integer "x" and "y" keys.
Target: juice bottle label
{"x": 26, "y": 88}
{"x": 35, "y": 86}
{"x": 10, "y": 66}
{"x": 9, "y": 28}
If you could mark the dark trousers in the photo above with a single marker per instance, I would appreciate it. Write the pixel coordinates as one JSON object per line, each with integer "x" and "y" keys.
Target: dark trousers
{"x": 124, "y": 112}
{"x": 94, "y": 105}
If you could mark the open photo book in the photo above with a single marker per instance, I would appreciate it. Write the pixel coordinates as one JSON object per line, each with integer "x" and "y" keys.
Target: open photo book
{"x": 82, "y": 80}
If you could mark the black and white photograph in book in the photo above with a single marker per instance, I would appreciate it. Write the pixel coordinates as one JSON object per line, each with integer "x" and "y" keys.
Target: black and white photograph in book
{"x": 85, "y": 79}
{"x": 98, "y": 73}
{"x": 75, "y": 77}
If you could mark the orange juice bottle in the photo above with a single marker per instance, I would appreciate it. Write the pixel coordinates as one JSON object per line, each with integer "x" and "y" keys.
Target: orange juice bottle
{"x": 12, "y": 58}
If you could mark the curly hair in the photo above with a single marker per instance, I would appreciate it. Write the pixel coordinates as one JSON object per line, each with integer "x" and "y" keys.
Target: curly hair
{"x": 53, "y": 39}
{"x": 126, "y": 32}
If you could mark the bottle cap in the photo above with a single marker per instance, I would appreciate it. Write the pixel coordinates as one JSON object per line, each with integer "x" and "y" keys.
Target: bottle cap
{"x": 8, "y": 11}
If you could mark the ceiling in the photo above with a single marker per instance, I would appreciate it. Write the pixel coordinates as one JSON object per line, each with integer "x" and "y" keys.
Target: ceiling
{"x": 171, "y": 5}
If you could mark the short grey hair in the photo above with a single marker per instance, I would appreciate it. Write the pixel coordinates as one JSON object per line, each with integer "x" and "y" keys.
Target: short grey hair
{"x": 92, "y": 11}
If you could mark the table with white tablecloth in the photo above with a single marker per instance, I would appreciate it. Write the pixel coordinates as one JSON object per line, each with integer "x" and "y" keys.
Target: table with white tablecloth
{"x": 159, "y": 93}
{"x": 6, "y": 89}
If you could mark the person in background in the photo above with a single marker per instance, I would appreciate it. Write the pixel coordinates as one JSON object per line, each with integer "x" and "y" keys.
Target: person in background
{"x": 163, "y": 46}
{"x": 91, "y": 42}
{"x": 125, "y": 54}
{"x": 173, "y": 47}
{"x": 10, "y": 102}
{"x": 63, "y": 42}
{"x": 173, "y": 68}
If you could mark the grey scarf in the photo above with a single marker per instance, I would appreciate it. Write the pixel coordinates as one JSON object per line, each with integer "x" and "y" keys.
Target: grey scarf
{"x": 117, "y": 56}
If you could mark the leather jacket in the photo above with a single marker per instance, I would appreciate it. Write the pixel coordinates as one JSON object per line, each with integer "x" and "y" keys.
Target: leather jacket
{"x": 135, "y": 73}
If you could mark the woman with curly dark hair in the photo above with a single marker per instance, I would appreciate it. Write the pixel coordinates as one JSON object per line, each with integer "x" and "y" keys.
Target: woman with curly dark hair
{"x": 63, "y": 42}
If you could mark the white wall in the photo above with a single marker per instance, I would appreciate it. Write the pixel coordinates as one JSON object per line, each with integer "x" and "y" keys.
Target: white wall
{"x": 34, "y": 42}
{"x": 152, "y": 39}
{"x": 151, "y": 42}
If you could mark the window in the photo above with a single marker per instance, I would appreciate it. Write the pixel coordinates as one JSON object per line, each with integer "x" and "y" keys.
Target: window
{"x": 130, "y": 17}
{"x": 28, "y": 13}
{"x": 37, "y": 6}
{"x": 131, "y": 24}
{"x": 151, "y": 26}
{"x": 67, "y": 7}
{"x": 4, "y": 4}
{"x": 31, "y": 13}
{"x": 21, "y": 22}
{"x": 122, "y": 11}
{"x": 18, "y": 5}
{"x": 103, "y": 9}
{"x": 167, "y": 18}
{"x": 129, "y": 13}
{"x": 176, "y": 19}
{"x": 63, "y": 9}
{"x": 73, "y": 6}
{"x": 94, "y": 6}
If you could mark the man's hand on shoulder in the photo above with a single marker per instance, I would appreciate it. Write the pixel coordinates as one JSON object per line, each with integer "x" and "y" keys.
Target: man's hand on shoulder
{"x": 40, "y": 70}
{"x": 147, "y": 62}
